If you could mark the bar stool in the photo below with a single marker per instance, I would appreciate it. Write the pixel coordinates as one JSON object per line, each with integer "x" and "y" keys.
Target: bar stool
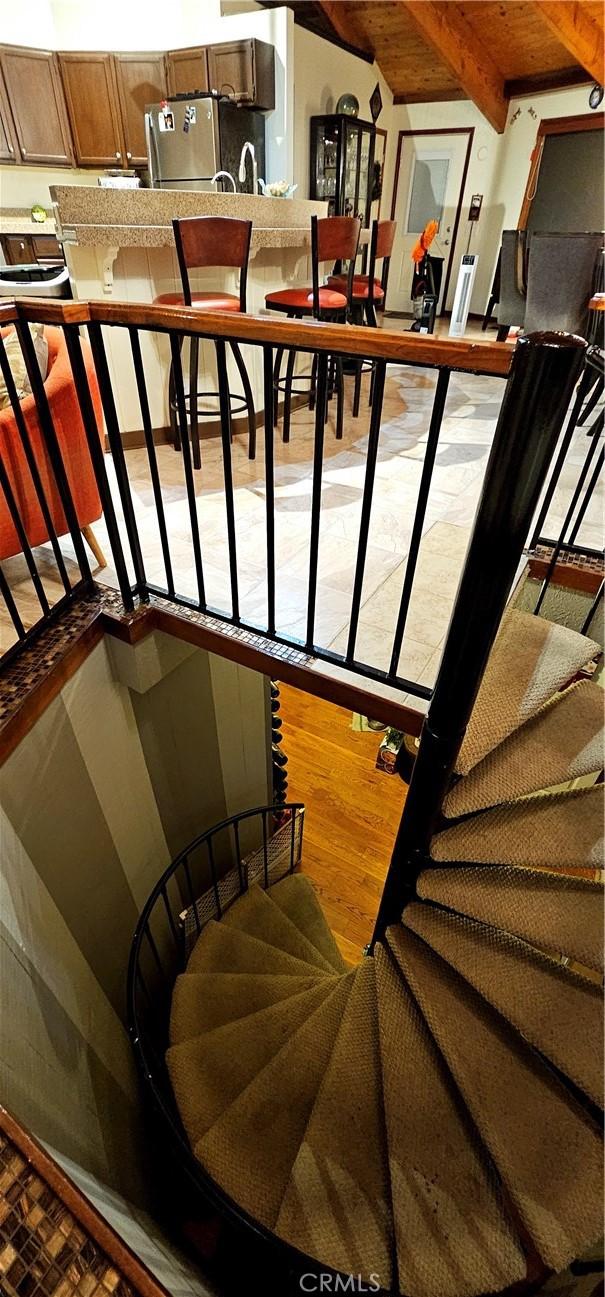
{"x": 203, "y": 242}
{"x": 369, "y": 292}
{"x": 335, "y": 239}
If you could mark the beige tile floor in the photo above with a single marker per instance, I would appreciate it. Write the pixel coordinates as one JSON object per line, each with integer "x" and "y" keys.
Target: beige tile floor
{"x": 470, "y": 417}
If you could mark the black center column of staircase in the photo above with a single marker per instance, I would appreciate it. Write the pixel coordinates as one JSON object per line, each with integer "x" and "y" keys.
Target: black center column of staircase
{"x": 544, "y": 370}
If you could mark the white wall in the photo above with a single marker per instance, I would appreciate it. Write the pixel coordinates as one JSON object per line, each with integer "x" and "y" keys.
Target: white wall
{"x": 322, "y": 73}
{"x": 499, "y": 166}
{"x": 147, "y": 25}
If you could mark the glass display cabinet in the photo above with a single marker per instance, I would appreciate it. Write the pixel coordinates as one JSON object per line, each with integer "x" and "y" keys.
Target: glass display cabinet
{"x": 342, "y": 164}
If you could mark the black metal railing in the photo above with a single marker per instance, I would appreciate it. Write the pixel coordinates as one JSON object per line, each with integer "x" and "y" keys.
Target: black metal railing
{"x": 98, "y": 325}
{"x": 585, "y": 424}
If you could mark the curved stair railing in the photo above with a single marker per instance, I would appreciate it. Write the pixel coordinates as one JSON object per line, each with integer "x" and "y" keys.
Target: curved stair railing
{"x": 428, "y": 1075}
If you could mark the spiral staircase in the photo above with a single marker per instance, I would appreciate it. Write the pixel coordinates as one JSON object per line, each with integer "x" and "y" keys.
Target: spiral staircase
{"x": 429, "y": 1120}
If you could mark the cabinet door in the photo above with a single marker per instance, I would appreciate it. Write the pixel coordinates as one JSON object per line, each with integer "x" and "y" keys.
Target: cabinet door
{"x": 244, "y": 70}
{"x": 47, "y": 248}
{"x": 36, "y": 97}
{"x": 187, "y": 70}
{"x": 8, "y": 142}
{"x": 92, "y": 103}
{"x": 18, "y": 249}
{"x": 141, "y": 80}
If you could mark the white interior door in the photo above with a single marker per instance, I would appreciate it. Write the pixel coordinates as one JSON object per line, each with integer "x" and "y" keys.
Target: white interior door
{"x": 431, "y": 169}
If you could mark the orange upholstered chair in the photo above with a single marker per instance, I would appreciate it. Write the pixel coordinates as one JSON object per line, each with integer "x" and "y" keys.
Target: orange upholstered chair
{"x": 65, "y": 410}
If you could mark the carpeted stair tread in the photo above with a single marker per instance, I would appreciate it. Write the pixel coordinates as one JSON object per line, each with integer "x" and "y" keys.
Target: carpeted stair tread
{"x": 337, "y": 1203}
{"x": 296, "y": 896}
{"x": 546, "y": 1150}
{"x": 556, "y": 913}
{"x": 530, "y": 661}
{"x": 562, "y": 742}
{"x": 557, "y": 831}
{"x": 211, "y": 1070}
{"x": 256, "y": 914}
{"x": 251, "y": 1149}
{"x": 223, "y": 949}
{"x": 556, "y": 1012}
{"x": 202, "y": 1001}
{"x": 453, "y": 1236}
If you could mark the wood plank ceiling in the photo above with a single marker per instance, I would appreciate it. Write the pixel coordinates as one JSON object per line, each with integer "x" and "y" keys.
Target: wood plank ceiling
{"x": 484, "y": 50}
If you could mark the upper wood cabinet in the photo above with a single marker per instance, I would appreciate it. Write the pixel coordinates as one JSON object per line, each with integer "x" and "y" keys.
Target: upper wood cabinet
{"x": 8, "y": 139}
{"x": 37, "y": 103}
{"x": 92, "y": 101}
{"x": 245, "y": 70}
{"x": 141, "y": 80}
{"x": 187, "y": 70}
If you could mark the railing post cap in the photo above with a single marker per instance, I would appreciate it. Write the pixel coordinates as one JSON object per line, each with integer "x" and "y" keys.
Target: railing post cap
{"x": 553, "y": 338}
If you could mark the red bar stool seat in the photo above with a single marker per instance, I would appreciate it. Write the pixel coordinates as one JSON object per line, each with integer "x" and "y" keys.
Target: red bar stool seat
{"x": 205, "y": 301}
{"x": 203, "y": 242}
{"x": 335, "y": 239}
{"x": 361, "y": 287}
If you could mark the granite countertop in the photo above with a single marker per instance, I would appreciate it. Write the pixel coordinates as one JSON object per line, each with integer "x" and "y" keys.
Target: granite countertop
{"x": 143, "y": 217}
{"x": 15, "y": 220}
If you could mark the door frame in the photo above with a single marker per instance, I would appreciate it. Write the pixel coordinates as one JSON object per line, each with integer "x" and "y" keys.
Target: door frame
{"x": 553, "y": 126}
{"x": 434, "y": 130}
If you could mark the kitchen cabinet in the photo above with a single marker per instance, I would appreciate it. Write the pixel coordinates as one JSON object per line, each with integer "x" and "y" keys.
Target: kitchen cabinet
{"x": 91, "y": 92}
{"x": 187, "y": 70}
{"x": 8, "y": 139}
{"x": 141, "y": 80}
{"x": 35, "y": 94}
{"x": 24, "y": 249}
{"x": 245, "y": 70}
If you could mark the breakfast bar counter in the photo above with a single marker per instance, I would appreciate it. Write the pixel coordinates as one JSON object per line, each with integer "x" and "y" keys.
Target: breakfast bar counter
{"x": 119, "y": 244}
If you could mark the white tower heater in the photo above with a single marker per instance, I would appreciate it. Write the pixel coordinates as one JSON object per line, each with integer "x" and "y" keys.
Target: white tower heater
{"x": 464, "y": 288}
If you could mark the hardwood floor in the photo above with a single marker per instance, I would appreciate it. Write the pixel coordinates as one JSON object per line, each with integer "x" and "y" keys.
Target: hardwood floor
{"x": 352, "y": 813}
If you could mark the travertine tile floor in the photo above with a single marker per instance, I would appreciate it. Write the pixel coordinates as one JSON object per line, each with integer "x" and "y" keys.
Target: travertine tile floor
{"x": 467, "y": 430}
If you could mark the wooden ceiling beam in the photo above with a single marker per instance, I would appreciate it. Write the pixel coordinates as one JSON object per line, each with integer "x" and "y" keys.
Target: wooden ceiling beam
{"x": 456, "y": 44}
{"x": 580, "y": 33}
{"x": 344, "y": 27}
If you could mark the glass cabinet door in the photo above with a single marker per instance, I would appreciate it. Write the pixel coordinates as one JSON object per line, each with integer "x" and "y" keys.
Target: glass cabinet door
{"x": 351, "y": 171}
{"x": 326, "y": 154}
{"x": 364, "y": 176}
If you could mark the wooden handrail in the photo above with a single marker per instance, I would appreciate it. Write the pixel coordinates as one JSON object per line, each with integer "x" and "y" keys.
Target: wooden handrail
{"x": 374, "y": 344}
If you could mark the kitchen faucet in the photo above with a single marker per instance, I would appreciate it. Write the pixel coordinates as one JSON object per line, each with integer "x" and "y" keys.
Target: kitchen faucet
{"x": 229, "y": 177}
{"x": 248, "y": 148}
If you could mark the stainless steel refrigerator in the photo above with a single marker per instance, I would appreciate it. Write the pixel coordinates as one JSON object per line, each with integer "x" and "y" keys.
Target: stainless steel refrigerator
{"x": 191, "y": 137}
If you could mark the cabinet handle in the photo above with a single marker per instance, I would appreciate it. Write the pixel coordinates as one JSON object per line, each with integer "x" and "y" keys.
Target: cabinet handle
{"x": 128, "y": 155}
{"x": 24, "y": 152}
{"x": 21, "y": 247}
{"x": 11, "y": 149}
{"x": 118, "y": 155}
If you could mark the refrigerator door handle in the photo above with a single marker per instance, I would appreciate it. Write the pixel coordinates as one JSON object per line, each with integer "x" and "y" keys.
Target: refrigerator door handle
{"x": 151, "y": 151}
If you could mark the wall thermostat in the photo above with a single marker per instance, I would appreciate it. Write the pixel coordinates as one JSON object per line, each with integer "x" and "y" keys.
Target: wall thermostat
{"x": 475, "y": 207}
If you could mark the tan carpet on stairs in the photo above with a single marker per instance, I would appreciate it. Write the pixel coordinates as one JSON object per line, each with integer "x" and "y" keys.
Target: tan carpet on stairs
{"x": 530, "y": 661}
{"x": 223, "y": 949}
{"x": 554, "y": 1010}
{"x": 558, "y": 831}
{"x": 260, "y": 916}
{"x": 201, "y": 1001}
{"x": 452, "y": 1231}
{"x": 556, "y": 913}
{"x": 337, "y": 1203}
{"x": 295, "y": 895}
{"x": 563, "y": 741}
{"x": 546, "y": 1150}
{"x": 209, "y": 1071}
{"x": 251, "y": 1149}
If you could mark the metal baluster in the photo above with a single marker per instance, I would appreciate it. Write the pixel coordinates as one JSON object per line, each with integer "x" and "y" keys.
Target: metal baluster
{"x": 32, "y": 465}
{"x": 593, "y": 608}
{"x": 17, "y": 522}
{"x": 225, "y": 411}
{"x": 139, "y": 371}
{"x": 269, "y": 486}
{"x": 154, "y": 950}
{"x": 117, "y": 451}
{"x": 292, "y": 838}
{"x": 238, "y": 855}
{"x": 265, "y": 850}
{"x": 561, "y": 457}
{"x": 74, "y": 348}
{"x": 192, "y": 900}
{"x": 366, "y": 507}
{"x": 173, "y": 927}
{"x": 588, "y": 494}
{"x": 6, "y": 593}
{"x": 566, "y": 522}
{"x": 211, "y": 861}
{"x": 51, "y": 444}
{"x": 419, "y": 516}
{"x": 177, "y": 370}
{"x": 146, "y": 991}
{"x": 544, "y": 371}
{"x": 318, "y": 449}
